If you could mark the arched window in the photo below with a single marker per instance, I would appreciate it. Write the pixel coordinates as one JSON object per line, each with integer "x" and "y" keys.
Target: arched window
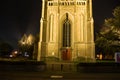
{"x": 66, "y": 32}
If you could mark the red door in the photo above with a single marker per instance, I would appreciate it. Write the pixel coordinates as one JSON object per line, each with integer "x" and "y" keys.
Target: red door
{"x": 66, "y": 54}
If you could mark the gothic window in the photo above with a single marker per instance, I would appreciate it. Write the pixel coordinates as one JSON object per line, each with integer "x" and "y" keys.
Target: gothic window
{"x": 83, "y": 3}
{"x": 77, "y": 3}
{"x": 49, "y": 4}
{"x": 62, "y": 3}
{"x": 66, "y": 32}
{"x": 71, "y": 3}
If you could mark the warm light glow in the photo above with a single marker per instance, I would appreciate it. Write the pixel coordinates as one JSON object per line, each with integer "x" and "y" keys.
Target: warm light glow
{"x": 11, "y": 55}
{"x": 53, "y": 53}
{"x": 100, "y": 56}
{"x": 27, "y": 40}
{"x": 23, "y": 43}
{"x": 16, "y": 52}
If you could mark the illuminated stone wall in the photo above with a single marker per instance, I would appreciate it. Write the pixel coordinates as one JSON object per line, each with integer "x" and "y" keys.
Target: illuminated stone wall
{"x": 51, "y": 29}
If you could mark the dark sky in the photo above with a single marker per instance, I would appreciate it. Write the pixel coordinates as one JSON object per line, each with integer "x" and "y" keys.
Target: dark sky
{"x": 18, "y": 17}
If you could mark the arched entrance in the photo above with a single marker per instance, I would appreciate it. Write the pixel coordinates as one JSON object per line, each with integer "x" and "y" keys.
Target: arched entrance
{"x": 66, "y": 44}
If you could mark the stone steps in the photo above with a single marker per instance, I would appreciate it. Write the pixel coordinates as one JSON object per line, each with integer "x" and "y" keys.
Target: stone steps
{"x": 64, "y": 67}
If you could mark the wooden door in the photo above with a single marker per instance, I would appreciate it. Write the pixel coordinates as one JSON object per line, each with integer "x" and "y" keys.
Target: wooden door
{"x": 66, "y": 54}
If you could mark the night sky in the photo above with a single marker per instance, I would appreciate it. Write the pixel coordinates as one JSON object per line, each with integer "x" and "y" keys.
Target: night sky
{"x": 18, "y": 17}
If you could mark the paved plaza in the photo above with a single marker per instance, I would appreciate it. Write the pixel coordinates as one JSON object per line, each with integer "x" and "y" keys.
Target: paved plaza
{"x": 13, "y": 75}
{"x": 59, "y": 71}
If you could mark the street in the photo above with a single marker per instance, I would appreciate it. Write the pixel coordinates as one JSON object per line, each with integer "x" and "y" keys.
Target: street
{"x": 14, "y": 75}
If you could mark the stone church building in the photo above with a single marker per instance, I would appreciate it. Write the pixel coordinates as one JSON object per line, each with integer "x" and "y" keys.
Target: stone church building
{"x": 66, "y": 31}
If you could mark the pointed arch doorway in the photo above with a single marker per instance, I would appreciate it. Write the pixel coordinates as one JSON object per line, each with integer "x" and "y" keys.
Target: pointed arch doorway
{"x": 66, "y": 39}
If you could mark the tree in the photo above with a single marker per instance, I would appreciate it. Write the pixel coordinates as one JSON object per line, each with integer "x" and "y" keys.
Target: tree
{"x": 114, "y": 22}
{"x": 108, "y": 39}
{"x": 36, "y": 46}
{"x": 26, "y": 45}
{"x": 5, "y": 49}
{"x": 106, "y": 43}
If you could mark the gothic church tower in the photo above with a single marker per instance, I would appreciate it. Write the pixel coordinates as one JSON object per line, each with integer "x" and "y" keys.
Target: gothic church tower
{"x": 66, "y": 31}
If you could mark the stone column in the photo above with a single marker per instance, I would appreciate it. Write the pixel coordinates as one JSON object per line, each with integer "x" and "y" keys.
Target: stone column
{"x": 91, "y": 22}
{"x": 92, "y": 30}
{"x": 51, "y": 27}
{"x": 41, "y": 31}
{"x": 90, "y": 4}
{"x": 43, "y": 8}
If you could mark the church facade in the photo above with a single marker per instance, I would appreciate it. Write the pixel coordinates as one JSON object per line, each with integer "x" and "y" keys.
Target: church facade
{"x": 66, "y": 31}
